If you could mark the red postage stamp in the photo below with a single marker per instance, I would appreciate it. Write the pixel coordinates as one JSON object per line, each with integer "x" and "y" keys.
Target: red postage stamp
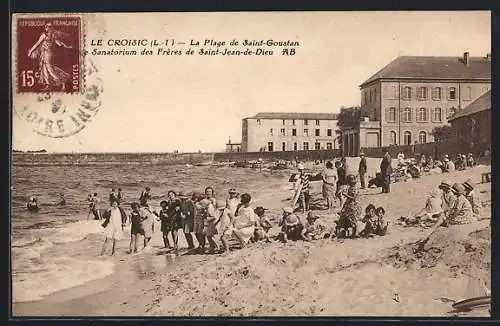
{"x": 48, "y": 55}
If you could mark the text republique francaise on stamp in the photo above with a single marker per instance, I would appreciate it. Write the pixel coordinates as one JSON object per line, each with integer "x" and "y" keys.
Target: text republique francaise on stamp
{"x": 52, "y": 90}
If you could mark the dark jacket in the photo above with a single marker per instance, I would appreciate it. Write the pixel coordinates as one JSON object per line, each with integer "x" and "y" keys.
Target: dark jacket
{"x": 362, "y": 165}
{"x": 385, "y": 165}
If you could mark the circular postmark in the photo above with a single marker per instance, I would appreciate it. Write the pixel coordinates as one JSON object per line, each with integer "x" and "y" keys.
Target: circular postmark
{"x": 57, "y": 86}
{"x": 60, "y": 115}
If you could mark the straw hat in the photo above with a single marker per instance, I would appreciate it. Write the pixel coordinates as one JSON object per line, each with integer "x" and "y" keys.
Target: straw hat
{"x": 163, "y": 203}
{"x": 445, "y": 184}
{"x": 300, "y": 166}
{"x": 288, "y": 209}
{"x": 361, "y": 154}
{"x": 458, "y": 189}
{"x": 182, "y": 194}
{"x": 291, "y": 220}
{"x": 232, "y": 191}
{"x": 468, "y": 185}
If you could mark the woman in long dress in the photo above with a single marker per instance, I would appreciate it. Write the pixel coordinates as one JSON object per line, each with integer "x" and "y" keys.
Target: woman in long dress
{"x": 50, "y": 75}
{"x": 245, "y": 221}
{"x": 329, "y": 176}
{"x": 113, "y": 229}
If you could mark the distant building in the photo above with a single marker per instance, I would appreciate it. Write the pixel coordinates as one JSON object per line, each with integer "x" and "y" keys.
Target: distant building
{"x": 472, "y": 125}
{"x": 405, "y": 100}
{"x": 281, "y": 131}
{"x": 232, "y": 147}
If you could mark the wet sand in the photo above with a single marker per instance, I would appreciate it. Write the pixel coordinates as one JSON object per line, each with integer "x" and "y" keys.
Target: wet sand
{"x": 349, "y": 277}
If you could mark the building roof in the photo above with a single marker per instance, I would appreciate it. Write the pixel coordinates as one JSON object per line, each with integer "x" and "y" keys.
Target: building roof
{"x": 295, "y": 116}
{"x": 482, "y": 103}
{"x": 421, "y": 67}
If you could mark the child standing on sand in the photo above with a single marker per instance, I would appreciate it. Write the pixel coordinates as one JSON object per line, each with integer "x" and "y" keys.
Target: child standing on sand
{"x": 135, "y": 229}
{"x": 147, "y": 224}
{"x": 112, "y": 227}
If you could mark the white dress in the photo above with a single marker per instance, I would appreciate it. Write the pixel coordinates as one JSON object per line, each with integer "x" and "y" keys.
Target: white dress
{"x": 114, "y": 228}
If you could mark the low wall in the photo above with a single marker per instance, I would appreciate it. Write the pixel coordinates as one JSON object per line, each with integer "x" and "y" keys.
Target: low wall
{"x": 311, "y": 155}
{"x": 41, "y": 159}
{"x": 436, "y": 149}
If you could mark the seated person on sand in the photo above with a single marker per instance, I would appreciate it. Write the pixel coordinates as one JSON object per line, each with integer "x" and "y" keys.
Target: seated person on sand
{"x": 245, "y": 221}
{"x": 378, "y": 181}
{"x": 471, "y": 197}
{"x": 291, "y": 226}
{"x": 460, "y": 213}
{"x": 369, "y": 220}
{"x": 32, "y": 205}
{"x": 380, "y": 224}
{"x": 431, "y": 211}
{"x": 448, "y": 197}
{"x": 350, "y": 214}
{"x": 263, "y": 225}
{"x": 447, "y": 166}
{"x": 312, "y": 230}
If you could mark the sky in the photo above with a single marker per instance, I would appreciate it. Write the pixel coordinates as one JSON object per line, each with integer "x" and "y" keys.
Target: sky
{"x": 168, "y": 103}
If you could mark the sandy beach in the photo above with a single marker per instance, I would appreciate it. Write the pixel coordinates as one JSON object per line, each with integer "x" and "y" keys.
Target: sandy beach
{"x": 394, "y": 275}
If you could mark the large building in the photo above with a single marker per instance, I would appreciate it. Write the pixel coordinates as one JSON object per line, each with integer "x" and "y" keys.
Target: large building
{"x": 278, "y": 131}
{"x": 405, "y": 100}
{"x": 472, "y": 125}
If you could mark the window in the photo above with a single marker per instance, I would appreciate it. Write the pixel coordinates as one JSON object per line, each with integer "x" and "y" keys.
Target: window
{"x": 407, "y": 115}
{"x": 437, "y": 115}
{"x": 467, "y": 93}
{"x": 283, "y": 122}
{"x": 392, "y": 92}
{"x": 371, "y": 96}
{"x": 374, "y": 114}
{"x": 422, "y": 114}
{"x": 271, "y": 131}
{"x": 317, "y": 146}
{"x": 391, "y": 114}
{"x": 294, "y": 132}
{"x": 366, "y": 97}
{"x": 316, "y": 132}
{"x": 270, "y": 146}
{"x": 407, "y": 138}
{"x": 375, "y": 95}
{"x": 436, "y": 93}
{"x": 306, "y": 132}
{"x": 392, "y": 138}
{"x": 407, "y": 93}
{"x": 452, "y": 93}
{"x": 294, "y": 146}
{"x": 293, "y": 122}
{"x": 317, "y": 122}
{"x": 306, "y": 146}
{"x": 283, "y": 146}
{"x": 306, "y": 122}
{"x": 422, "y": 137}
{"x": 258, "y": 121}
{"x": 451, "y": 111}
{"x": 422, "y": 93}
{"x": 329, "y": 132}
{"x": 282, "y": 131}
{"x": 328, "y": 145}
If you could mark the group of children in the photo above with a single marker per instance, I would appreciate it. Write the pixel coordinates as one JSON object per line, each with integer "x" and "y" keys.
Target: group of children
{"x": 447, "y": 205}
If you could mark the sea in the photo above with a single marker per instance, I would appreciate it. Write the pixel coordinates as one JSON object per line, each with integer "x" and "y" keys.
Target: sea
{"x": 58, "y": 247}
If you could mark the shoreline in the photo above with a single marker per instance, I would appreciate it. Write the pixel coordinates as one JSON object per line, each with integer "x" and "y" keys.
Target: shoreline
{"x": 140, "y": 282}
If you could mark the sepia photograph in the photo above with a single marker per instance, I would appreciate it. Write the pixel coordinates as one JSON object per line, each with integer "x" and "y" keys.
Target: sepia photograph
{"x": 251, "y": 164}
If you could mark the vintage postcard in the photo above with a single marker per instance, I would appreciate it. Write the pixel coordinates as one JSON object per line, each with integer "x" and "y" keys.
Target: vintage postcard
{"x": 251, "y": 164}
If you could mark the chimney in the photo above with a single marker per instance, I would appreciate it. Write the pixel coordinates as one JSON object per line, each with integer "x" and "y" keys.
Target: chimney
{"x": 466, "y": 58}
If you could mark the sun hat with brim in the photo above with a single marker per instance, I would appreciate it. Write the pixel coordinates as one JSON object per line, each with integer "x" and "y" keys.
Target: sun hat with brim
{"x": 182, "y": 194}
{"x": 445, "y": 184}
{"x": 291, "y": 220}
{"x": 163, "y": 203}
{"x": 458, "y": 189}
{"x": 232, "y": 191}
{"x": 468, "y": 185}
{"x": 288, "y": 209}
{"x": 361, "y": 154}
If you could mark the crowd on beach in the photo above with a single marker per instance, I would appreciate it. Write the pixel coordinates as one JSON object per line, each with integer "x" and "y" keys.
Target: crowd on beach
{"x": 216, "y": 223}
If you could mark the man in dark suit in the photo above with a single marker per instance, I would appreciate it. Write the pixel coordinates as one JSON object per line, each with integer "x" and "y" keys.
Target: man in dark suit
{"x": 386, "y": 171}
{"x": 362, "y": 170}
